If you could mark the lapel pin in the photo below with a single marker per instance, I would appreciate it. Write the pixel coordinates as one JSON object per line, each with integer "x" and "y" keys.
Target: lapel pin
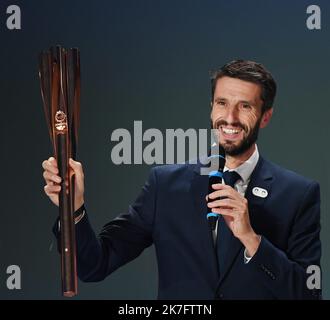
{"x": 260, "y": 192}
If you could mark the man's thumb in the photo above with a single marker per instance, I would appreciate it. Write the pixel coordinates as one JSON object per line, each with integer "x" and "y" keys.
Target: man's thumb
{"x": 77, "y": 168}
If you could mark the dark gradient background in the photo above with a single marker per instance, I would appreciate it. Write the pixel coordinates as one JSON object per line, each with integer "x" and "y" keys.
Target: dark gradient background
{"x": 146, "y": 60}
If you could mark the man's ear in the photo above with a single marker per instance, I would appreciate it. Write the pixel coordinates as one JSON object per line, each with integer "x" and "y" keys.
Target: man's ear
{"x": 266, "y": 118}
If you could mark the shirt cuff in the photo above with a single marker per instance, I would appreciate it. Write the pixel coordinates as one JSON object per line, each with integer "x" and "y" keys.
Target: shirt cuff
{"x": 247, "y": 258}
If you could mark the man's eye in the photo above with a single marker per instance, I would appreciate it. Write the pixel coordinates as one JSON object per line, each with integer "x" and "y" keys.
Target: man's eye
{"x": 246, "y": 106}
{"x": 221, "y": 103}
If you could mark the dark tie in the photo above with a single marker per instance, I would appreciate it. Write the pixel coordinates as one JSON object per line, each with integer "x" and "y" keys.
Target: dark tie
{"x": 224, "y": 234}
{"x": 231, "y": 177}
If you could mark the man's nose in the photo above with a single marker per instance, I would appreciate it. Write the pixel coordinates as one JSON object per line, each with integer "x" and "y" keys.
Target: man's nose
{"x": 231, "y": 115}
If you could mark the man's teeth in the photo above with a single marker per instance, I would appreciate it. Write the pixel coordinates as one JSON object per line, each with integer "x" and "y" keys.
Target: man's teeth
{"x": 230, "y": 131}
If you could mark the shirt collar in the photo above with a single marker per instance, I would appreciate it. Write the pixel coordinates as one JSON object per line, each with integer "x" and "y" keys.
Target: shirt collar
{"x": 245, "y": 169}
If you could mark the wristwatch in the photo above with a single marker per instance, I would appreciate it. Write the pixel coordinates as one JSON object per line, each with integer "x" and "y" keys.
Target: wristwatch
{"x": 79, "y": 214}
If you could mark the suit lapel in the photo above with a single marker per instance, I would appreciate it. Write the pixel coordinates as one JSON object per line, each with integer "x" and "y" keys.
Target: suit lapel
{"x": 260, "y": 178}
{"x": 199, "y": 189}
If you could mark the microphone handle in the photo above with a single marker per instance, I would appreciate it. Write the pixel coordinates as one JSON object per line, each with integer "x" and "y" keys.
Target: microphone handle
{"x": 211, "y": 216}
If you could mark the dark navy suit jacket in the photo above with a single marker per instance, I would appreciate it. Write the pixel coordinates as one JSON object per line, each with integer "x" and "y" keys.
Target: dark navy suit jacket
{"x": 170, "y": 213}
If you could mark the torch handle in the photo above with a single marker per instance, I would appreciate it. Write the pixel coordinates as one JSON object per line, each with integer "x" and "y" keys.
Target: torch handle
{"x": 68, "y": 246}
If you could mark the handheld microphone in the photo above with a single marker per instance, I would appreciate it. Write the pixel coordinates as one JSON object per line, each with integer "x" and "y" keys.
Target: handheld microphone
{"x": 215, "y": 176}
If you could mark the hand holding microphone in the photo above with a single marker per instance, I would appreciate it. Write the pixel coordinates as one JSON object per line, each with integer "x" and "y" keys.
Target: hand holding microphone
{"x": 225, "y": 200}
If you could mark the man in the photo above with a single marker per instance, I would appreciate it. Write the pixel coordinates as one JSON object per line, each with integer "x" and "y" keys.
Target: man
{"x": 268, "y": 231}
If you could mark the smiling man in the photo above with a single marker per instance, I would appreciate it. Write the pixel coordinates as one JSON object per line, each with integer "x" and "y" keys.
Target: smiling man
{"x": 242, "y": 98}
{"x": 268, "y": 231}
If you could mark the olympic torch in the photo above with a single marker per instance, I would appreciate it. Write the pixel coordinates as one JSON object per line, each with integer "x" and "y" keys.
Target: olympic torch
{"x": 59, "y": 74}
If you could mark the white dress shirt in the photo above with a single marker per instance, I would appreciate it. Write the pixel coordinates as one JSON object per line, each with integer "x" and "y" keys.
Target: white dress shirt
{"x": 244, "y": 170}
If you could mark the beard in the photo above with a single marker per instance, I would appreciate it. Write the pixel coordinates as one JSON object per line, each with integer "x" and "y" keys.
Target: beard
{"x": 250, "y": 137}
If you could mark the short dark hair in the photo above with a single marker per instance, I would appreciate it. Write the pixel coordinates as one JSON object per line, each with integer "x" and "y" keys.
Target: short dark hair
{"x": 249, "y": 71}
